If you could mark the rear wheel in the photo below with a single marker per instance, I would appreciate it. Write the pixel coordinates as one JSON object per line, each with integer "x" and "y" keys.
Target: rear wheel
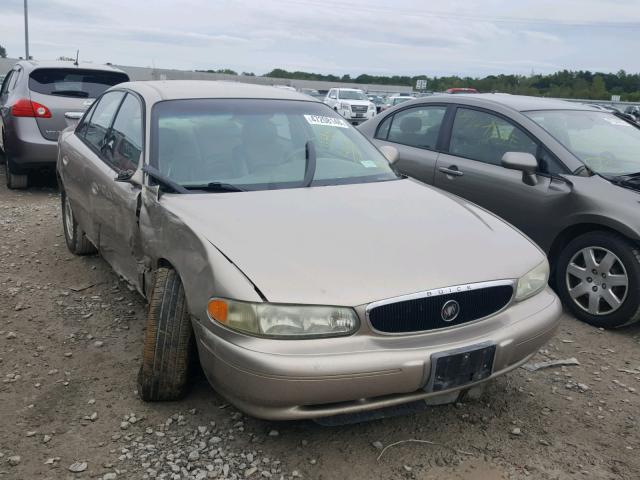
{"x": 77, "y": 241}
{"x": 598, "y": 279}
{"x": 168, "y": 341}
{"x": 15, "y": 178}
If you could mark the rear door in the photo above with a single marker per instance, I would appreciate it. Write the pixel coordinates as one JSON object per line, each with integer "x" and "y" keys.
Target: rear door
{"x": 415, "y": 132}
{"x": 81, "y": 161}
{"x": 472, "y": 169}
{"x": 67, "y": 91}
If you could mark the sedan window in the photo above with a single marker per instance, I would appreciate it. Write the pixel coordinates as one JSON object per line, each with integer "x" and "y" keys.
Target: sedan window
{"x": 125, "y": 137}
{"x": 485, "y": 137}
{"x": 417, "y": 127}
{"x": 606, "y": 143}
{"x": 260, "y": 144}
{"x": 101, "y": 119}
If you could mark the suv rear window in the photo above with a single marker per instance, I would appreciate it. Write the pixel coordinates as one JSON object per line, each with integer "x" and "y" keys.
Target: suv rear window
{"x": 72, "y": 82}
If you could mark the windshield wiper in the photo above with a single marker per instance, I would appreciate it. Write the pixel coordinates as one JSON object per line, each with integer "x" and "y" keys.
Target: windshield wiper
{"x": 217, "y": 187}
{"x": 154, "y": 173}
{"x": 310, "y": 164}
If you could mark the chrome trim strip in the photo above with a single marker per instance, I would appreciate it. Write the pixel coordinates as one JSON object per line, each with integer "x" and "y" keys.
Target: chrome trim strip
{"x": 436, "y": 292}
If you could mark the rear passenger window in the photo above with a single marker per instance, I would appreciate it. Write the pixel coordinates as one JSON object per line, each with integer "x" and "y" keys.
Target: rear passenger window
{"x": 485, "y": 137}
{"x": 101, "y": 119}
{"x": 124, "y": 142}
{"x": 417, "y": 127}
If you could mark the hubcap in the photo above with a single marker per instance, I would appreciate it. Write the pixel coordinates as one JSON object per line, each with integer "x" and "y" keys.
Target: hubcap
{"x": 68, "y": 217}
{"x": 597, "y": 280}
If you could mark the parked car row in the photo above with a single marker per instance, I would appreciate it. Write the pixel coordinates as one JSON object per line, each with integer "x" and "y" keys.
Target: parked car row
{"x": 315, "y": 273}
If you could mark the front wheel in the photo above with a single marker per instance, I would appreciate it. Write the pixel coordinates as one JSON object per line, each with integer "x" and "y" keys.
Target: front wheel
{"x": 168, "y": 341}
{"x": 598, "y": 279}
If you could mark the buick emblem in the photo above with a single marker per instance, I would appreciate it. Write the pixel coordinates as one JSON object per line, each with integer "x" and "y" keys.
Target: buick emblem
{"x": 450, "y": 310}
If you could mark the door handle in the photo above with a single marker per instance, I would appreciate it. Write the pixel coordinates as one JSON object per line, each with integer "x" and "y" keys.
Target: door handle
{"x": 452, "y": 170}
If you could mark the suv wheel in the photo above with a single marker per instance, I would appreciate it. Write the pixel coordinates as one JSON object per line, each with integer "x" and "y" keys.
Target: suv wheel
{"x": 77, "y": 241}
{"x": 598, "y": 279}
{"x": 15, "y": 180}
{"x": 168, "y": 341}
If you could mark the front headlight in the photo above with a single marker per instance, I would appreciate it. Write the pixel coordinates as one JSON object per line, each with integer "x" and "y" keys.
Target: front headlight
{"x": 345, "y": 106}
{"x": 533, "y": 282}
{"x": 286, "y": 321}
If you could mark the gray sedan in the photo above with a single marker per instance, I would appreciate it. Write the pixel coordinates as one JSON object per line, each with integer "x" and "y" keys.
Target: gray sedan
{"x": 270, "y": 235}
{"x": 566, "y": 174}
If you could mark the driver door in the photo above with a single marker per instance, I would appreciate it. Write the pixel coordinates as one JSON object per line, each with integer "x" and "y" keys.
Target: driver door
{"x": 118, "y": 201}
{"x": 473, "y": 170}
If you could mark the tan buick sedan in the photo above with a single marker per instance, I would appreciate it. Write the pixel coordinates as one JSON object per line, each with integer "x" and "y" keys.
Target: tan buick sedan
{"x": 273, "y": 239}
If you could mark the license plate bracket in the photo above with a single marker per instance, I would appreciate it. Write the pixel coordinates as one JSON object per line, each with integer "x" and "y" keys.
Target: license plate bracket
{"x": 457, "y": 368}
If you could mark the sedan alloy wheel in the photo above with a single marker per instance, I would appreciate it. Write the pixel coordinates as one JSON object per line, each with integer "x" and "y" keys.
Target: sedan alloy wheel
{"x": 597, "y": 280}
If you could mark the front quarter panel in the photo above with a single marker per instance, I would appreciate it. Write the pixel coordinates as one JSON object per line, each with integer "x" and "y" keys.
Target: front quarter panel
{"x": 166, "y": 239}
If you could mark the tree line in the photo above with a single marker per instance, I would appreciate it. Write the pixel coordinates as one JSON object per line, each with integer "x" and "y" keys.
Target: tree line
{"x": 562, "y": 84}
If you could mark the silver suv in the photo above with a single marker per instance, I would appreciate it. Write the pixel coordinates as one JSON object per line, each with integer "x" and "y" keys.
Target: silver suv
{"x": 37, "y": 101}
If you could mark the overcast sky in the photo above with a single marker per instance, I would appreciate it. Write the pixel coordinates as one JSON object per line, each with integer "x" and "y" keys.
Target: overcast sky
{"x": 334, "y": 36}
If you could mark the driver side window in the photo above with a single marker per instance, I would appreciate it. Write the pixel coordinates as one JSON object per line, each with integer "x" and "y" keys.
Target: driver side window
{"x": 486, "y": 138}
{"x": 101, "y": 119}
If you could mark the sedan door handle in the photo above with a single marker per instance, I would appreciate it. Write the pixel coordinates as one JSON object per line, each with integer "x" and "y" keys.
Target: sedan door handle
{"x": 452, "y": 170}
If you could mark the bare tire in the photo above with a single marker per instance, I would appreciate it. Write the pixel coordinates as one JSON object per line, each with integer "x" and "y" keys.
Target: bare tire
{"x": 168, "y": 341}
{"x": 77, "y": 241}
{"x": 598, "y": 279}
{"x": 15, "y": 180}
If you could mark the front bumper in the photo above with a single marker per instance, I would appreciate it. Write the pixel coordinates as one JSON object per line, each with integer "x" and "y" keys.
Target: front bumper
{"x": 26, "y": 146}
{"x": 297, "y": 379}
{"x": 353, "y": 118}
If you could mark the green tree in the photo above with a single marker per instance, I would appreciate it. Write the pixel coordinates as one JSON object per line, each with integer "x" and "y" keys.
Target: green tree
{"x": 3, "y": 52}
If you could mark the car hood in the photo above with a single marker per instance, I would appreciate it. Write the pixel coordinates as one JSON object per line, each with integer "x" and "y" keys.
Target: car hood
{"x": 353, "y": 244}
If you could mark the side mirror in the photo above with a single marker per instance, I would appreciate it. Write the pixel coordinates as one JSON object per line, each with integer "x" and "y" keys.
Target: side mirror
{"x": 524, "y": 162}
{"x": 130, "y": 176}
{"x": 390, "y": 153}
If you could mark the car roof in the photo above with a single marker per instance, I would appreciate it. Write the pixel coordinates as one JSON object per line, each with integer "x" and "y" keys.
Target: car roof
{"x": 185, "y": 89}
{"x": 35, "y": 64}
{"x": 520, "y": 103}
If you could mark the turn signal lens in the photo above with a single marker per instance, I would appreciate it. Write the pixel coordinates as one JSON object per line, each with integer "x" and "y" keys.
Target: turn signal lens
{"x": 218, "y": 310}
{"x": 27, "y": 108}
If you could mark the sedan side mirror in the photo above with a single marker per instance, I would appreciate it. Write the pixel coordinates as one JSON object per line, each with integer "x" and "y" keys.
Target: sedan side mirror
{"x": 390, "y": 153}
{"x": 524, "y": 162}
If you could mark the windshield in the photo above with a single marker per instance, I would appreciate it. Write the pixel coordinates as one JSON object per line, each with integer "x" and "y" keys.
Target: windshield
{"x": 259, "y": 144}
{"x": 398, "y": 100}
{"x": 351, "y": 95}
{"x": 73, "y": 82}
{"x": 607, "y": 144}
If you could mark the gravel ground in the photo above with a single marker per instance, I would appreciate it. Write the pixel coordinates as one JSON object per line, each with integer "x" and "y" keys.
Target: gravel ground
{"x": 70, "y": 345}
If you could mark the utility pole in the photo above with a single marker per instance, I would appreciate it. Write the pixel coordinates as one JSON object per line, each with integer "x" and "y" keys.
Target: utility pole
{"x": 26, "y": 30}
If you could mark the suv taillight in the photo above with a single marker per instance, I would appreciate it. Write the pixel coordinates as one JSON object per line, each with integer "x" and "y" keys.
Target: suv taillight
{"x": 27, "y": 108}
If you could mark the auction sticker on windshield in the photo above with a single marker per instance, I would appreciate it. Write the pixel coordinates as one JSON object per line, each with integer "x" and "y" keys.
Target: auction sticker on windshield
{"x": 326, "y": 121}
